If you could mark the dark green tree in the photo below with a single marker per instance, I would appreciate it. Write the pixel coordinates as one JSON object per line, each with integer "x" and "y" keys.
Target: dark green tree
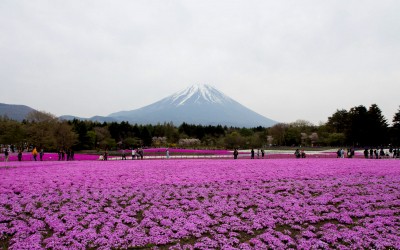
{"x": 358, "y": 132}
{"x": 103, "y": 139}
{"x": 246, "y": 132}
{"x": 64, "y": 135}
{"x": 146, "y": 136}
{"x": 395, "y": 129}
{"x": 40, "y": 128}
{"x": 199, "y": 132}
{"x": 396, "y": 119}
{"x": 81, "y": 129}
{"x": 11, "y": 132}
{"x": 338, "y": 122}
{"x": 278, "y": 133}
{"x": 377, "y": 126}
{"x": 234, "y": 140}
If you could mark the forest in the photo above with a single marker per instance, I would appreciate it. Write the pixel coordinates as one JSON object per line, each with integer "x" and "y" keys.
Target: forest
{"x": 357, "y": 127}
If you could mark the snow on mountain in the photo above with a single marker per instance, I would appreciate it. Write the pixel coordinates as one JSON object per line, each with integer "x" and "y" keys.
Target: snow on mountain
{"x": 198, "y": 93}
{"x": 198, "y": 104}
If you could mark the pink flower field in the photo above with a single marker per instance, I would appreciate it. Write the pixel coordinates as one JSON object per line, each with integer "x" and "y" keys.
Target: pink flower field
{"x": 201, "y": 204}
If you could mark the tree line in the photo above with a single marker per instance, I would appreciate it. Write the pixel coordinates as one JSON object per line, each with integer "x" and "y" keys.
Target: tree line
{"x": 358, "y": 127}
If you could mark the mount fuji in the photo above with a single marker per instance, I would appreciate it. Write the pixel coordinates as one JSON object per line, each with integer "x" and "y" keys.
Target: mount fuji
{"x": 198, "y": 104}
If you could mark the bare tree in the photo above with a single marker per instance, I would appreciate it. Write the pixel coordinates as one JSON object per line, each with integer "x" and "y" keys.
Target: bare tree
{"x": 304, "y": 138}
{"x": 270, "y": 139}
{"x": 189, "y": 142}
{"x": 314, "y": 138}
{"x": 40, "y": 116}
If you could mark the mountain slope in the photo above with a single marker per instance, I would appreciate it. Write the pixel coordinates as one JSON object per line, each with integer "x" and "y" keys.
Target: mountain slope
{"x": 198, "y": 104}
{"x": 15, "y": 112}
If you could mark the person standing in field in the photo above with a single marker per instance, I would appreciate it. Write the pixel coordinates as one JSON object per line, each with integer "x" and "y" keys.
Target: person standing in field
{"x": 123, "y": 155}
{"x": 41, "y": 154}
{"x": 262, "y": 153}
{"x": 133, "y": 153}
{"x": 68, "y": 154}
{"x": 366, "y": 153}
{"x": 105, "y": 155}
{"x": 235, "y": 154}
{"x": 141, "y": 153}
{"x": 6, "y": 154}
{"x": 252, "y": 154}
{"x": 376, "y": 153}
{"x": 34, "y": 153}
{"x": 19, "y": 154}
{"x": 381, "y": 154}
{"x": 167, "y": 153}
{"x": 303, "y": 154}
{"x": 297, "y": 153}
{"x": 350, "y": 153}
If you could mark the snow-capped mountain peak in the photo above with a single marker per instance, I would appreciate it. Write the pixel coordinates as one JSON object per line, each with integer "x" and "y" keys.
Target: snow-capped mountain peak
{"x": 197, "y": 104}
{"x": 198, "y": 93}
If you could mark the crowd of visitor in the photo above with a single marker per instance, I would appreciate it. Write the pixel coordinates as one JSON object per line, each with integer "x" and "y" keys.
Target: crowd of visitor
{"x": 67, "y": 154}
{"x": 349, "y": 153}
{"x": 36, "y": 155}
{"x": 138, "y": 153}
{"x": 252, "y": 153}
{"x": 371, "y": 153}
{"x": 300, "y": 153}
{"x": 381, "y": 153}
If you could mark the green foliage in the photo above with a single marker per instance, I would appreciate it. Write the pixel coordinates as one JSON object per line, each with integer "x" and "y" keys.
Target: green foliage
{"x": 92, "y": 140}
{"x": 146, "y": 136}
{"x": 292, "y": 137}
{"x": 81, "y": 129}
{"x": 357, "y": 127}
{"x": 338, "y": 122}
{"x": 131, "y": 142}
{"x": 277, "y": 133}
{"x": 335, "y": 139}
{"x": 394, "y": 132}
{"x": 396, "y": 119}
{"x": 377, "y": 126}
{"x": 233, "y": 140}
{"x": 11, "y": 132}
{"x": 361, "y": 126}
{"x": 246, "y": 132}
{"x": 64, "y": 136}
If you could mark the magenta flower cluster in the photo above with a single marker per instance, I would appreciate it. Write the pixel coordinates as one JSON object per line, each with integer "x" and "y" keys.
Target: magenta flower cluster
{"x": 182, "y": 151}
{"x": 201, "y": 204}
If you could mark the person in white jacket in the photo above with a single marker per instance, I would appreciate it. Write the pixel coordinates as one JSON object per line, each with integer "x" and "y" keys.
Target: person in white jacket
{"x": 133, "y": 153}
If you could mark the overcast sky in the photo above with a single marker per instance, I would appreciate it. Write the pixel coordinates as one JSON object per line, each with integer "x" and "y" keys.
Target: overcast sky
{"x": 286, "y": 60}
